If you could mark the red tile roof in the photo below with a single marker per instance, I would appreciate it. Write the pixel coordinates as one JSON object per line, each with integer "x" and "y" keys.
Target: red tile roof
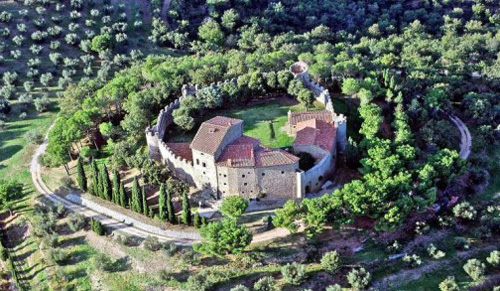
{"x": 246, "y": 152}
{"x": 316, "y": 132}
{"x": 297, "y": 117}
{"x": 211, "y": 134}
{"x": 182, "y": 150}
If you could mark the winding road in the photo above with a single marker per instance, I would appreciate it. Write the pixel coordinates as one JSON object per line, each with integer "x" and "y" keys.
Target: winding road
{"x": 119, "y": 222}
{"x": 465, "y": 137}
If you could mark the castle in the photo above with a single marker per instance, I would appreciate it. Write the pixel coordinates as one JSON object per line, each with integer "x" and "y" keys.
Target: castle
{"x": 222, "y": 160}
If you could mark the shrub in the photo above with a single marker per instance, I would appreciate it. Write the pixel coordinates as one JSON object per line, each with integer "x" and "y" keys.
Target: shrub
{"x": 170, "y": 249}
{"x": 190, "y": 257}
{"x": 23, "y": 115}
{"x": 335, "y": 287}
{"x": 97, "y": 226}
{"x": 412, "y": 260}
{"x": 152, "y": 243}
{"x": 294, "y": 273}
{"x": 240, "y": 288}
{"x": 4, "y": 254}
{"x": 494, "y": 258}
{"x": 102, "y": 262}
{"x": 265, "y": 284}
{"x": 434, "y": 252}
{"x": 330, "y": 261}
{"x": 449, "y": 284}
{"x": 461, "y": 243}
{"x": 475, "y": 269}
{"x": 42, "y": 104}
{"x": 359, "y": 278}
{"x": 57, "y": 256}
{"x": 71, "y": 38}
{"x": 200, "y": 282}
{"x": 76, "y": 221}
{"x": 464, "y": 210}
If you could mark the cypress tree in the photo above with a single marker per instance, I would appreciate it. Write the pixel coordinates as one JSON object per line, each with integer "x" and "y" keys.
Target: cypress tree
{"x": 116, "y": 187}
{"x": 136, "y": 193}
{"x": 106, "y": 183}
{"x": 170, "y": 205}
{"x": 197, "y": 220}
{"x": 81, "y": 177}
{"x": 94, "y": 171}
{"x": 162, "y": 203}
{"x": 144, "y": 202}
{"x": 186, "y": 209}
{"x": 123, "y": 195}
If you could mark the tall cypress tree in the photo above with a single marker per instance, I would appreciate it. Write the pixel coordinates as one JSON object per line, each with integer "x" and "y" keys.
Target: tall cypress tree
{"x": 144, "y": 202}
{"x": 170, "y": 206}
{"x": 123, "y": 195}
{"x": 81, "y": 177}
{"x": 105, "y": 183}
{"x": 116, "y": 187}
{"x": 162, "y": 203}
{"x": 186, "y": 209}
{"x": 94, "y": 171}
{"x": 136, "y": 193}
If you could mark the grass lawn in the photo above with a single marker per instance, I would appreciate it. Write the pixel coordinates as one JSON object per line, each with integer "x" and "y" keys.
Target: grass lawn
{"x": 256, "y": 120}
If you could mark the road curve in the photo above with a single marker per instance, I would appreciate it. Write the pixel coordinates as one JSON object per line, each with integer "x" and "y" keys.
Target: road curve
{"x": 465, "y": 137}
{"x": 177, "y": 237}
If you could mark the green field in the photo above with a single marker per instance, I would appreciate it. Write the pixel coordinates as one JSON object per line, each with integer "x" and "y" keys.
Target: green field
{"x": 256, "y": 119}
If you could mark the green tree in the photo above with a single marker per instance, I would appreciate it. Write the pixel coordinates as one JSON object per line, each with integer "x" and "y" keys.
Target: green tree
{"x": 9, "y": 191}
{"x": 266, "y": 283}
{"x": 294, "y": 273}
{"x": 306, "y": 98}
{"x": 211, "y": 33}
{"x": 123, "y": 195}
{"x": 144, "y": 201}
{"x": 197, "y": 220}
{"x": 81, "y": 178}
{"x": 170, "y": 205}
{"x": 233, "y": 206}
{"x": 136, "y": 199}
{"x": 359, "y": 278}
{"x": 94, "y": 171}
{"x": 350, "y": 86}
{"x": 287, "y": 216}
{"x": 186, "y": 209}
{"x": 223, "y": 237}
{"x": 475, "y": 269}
{"x": 162, "y": 202}
{"x": 449, "y": 284}
{"x": 116, "y": 187}
{"x": 101, "y": 42}
{"x": 330, "y": 261}
{"x": 106, "y": 186}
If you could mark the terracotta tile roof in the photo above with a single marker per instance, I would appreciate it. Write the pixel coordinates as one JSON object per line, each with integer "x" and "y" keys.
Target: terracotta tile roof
{"x": 296, "y": 117}
{"x": 181, "y": 149}
{"x": 211, "y": 134}
{"x": 316, "y": 132}
{"x": 246, "y": 152}
{"x": 273, "y": 157}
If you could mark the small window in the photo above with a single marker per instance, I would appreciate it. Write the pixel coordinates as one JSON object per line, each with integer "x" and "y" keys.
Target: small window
{"x": 203, "y": 173}
{"x": 242, "y": 192}
{"x": 197, "y": 161}
{"x": 204, "y": 165}
{"x": 320, "y": 178}
{"x": 282, "y": 172}
{"x": 202, "y": 154}
{"x": 248, "y": 173}
{"x": 225, "y": 184}
{"x": 244, "y": 184}
{"x": 243, "y": 176}
{"x": 263, "y": 174}
{"x": 225, "y": 175}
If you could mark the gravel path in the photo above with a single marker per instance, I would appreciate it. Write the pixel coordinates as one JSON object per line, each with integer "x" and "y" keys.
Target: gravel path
{"x": 465, "y": 139}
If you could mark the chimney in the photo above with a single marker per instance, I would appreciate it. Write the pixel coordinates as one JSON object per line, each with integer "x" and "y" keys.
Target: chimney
{"x": 229, "y": 162}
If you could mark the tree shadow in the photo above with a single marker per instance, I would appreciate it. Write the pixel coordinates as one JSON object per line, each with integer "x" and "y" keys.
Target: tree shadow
{"x": 70, "y": 242}
{"x": 76, "y": 257}
{"x": 77, "y": 274}
{"x": 9, "y": 151}
{"x": 121, "y": 265}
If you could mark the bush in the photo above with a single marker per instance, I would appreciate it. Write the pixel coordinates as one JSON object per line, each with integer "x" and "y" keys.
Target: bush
{"x": 449, "y": 284}
{"x": 464, "y": 210}
{"x": 335, "y": 287}
{"x": 294, "y": 273}
{"x": 233, "y": 206}
{"x": 240, "y": 288}
{"x": 190, "y": 257}
{"x": 494, "y": 258}
{"x": 265, "y": 284}
{"x": 152, "y": 243}
{"x": 434, "y": 252}
{"x": 200, "y": 282}
{"x": 102, "y": 262}
{"x": 42, "y": 104}
{"x": 475, "y": 269}
{"x": 97, "y": 227}
{"x": 170, "y": 249}
{"x": 4, "y": 254}
{"x": 76, "y": 221}
{"x": 359, "y": 278}
{"x": 330, "y": 261}
{"x": 412, "y": 260}
{"x": 58, "y": 256}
